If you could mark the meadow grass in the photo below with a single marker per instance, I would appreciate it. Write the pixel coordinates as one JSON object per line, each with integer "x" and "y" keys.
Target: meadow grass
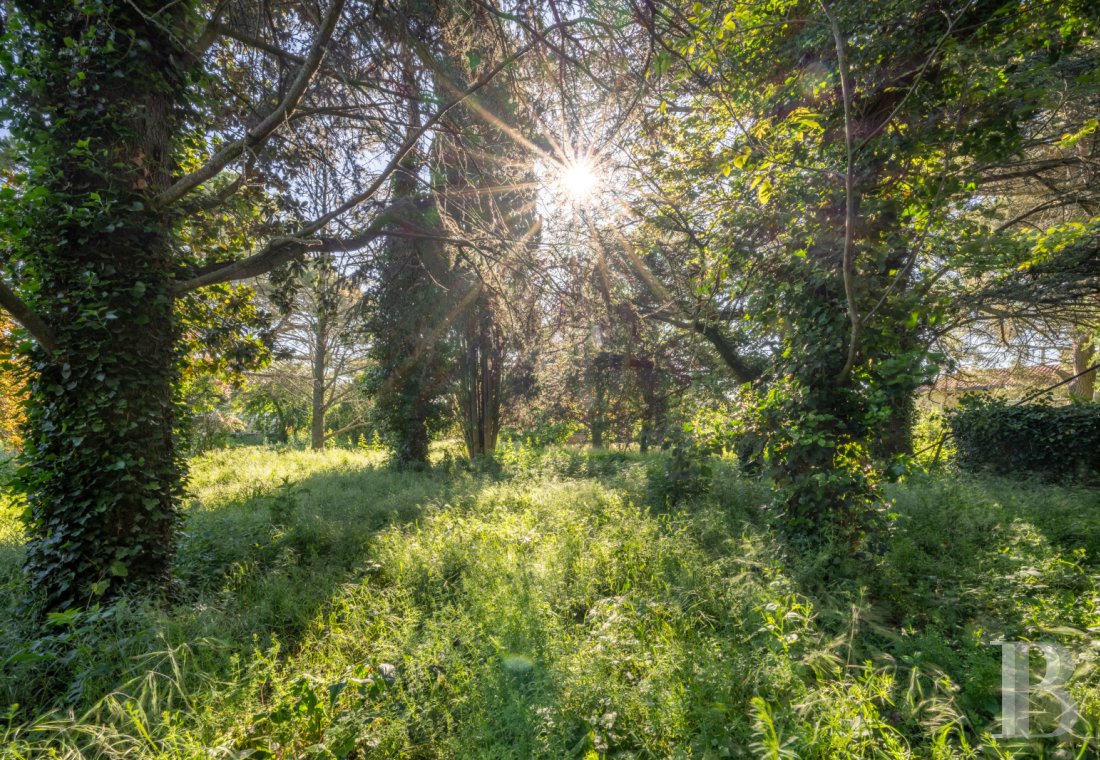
{"x": 553, "y": 606}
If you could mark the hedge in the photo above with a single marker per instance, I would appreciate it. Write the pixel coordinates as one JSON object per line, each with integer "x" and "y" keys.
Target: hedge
{"x": 1027, "y": 440}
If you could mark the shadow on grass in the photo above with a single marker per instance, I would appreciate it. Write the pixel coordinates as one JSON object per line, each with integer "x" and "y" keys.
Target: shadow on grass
{"x": 560, "y": 619}
{"x": 973, "y": 560}
{"x": 268, "y": 563}
{"x": 264, "y": 549}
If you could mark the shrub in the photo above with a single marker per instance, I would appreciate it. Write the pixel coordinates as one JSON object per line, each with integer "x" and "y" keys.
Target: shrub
{"x": 1036, "y": 439}
{"x": 683, "y": 474}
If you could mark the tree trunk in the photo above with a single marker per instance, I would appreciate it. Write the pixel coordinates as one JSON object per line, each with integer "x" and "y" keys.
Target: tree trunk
{"x": 482, "y": 382}
{"x": 317, "y": 421}
{"x": 895, "y": 437}
{"x": 100, "y": 468}
{"x": 597, "y": 414}
{"x": 1084, "y": 353}
{"x": 654, "y": 404}
{"x": 413, "y": 449}
{"x": 486, "y": 183}
{"x": 411, "y": 312}
{"x": 282, "y": 435}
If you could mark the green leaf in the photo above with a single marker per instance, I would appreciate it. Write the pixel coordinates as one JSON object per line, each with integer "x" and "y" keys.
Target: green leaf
{"x": 100, "y": 587}
{"x": 764, "y": 191}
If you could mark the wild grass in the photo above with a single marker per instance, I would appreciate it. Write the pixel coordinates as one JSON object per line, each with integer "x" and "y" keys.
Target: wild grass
{"x": 553, "y": 607}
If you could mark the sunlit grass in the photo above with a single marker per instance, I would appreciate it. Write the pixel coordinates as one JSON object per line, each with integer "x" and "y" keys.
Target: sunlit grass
{"x": 329, "y": 606}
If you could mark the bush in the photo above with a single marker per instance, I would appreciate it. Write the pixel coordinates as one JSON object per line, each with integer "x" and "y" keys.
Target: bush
{"x": 1037, "y": 439}
{"x": 681, "y": 475}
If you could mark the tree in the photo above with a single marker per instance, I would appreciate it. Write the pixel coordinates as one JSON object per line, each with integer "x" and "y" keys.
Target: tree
{"x": 130, "y": 116}
{"x": 410, "y": 311}
{"x": 13, "y": 391}
{"x": 469, "y": 200}
{"x": 485, "y": 195}
{"x": 827, "y": 154}
{"x": 1084, "y": 358}
{"x": 321, "y": 340}
{"x": 96, "y": 94}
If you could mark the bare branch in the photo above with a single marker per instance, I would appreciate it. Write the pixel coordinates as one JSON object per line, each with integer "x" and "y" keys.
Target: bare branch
{"x": 258, "y": 134}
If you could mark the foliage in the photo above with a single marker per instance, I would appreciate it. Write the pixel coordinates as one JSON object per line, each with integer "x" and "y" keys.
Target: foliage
{"x": 13, "y": 387}
{"x": 817, "y": 207}
{"x": 829, "y": 486}
{"x": 542, "y": 434}
{"x": 684, "y": 472}
{"x": 211, "y": 424}
{"x": 321, "y": 348}
{"x": 411, "y": 368}
{"x": 1036, "y": 439}
{"x": 276, "y": 403}
{"x": 933, "y": 443}
{"x": 224, "y": 333}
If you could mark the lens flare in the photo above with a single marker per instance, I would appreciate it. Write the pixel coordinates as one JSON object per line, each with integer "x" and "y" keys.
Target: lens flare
{"x": 578, "y": 180}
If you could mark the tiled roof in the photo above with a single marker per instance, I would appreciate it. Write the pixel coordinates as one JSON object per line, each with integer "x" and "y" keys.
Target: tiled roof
{"x": 1034, "y": 376}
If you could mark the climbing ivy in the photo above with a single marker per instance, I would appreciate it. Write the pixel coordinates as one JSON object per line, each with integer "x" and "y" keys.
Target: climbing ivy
{"x": 93, "y": 92}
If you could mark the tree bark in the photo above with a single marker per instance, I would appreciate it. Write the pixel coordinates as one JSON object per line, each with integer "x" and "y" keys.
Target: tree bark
{"x": 895, "y": 437}
{"x": 1084, "y": 352}
{"x": 481, "y": 382}
{"x": 317, "y": 421}
{"x": 597, "y": 415}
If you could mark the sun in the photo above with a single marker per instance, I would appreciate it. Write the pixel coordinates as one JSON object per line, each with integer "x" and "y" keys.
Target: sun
{"x": 578, "y": 179}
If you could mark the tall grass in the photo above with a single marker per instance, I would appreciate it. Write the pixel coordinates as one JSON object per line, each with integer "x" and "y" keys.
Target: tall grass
{"x": 329, "y": 607}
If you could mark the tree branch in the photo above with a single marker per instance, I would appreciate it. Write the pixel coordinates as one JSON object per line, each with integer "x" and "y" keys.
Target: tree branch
{"x": 848, "y": 267}
{"x": 281, "y": 250}
{"x": 27, "y": 318}
{"x": 345, "y": 429}
{"x": 742, "y": 371}
{"x": 258, "y": 134}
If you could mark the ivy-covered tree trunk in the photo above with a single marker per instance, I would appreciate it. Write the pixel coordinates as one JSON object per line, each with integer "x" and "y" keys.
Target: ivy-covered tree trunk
{"x": 407, "y": 323}
{"x": 410, "y": 314}
{"x": 894, "y": 437}
{"x": 813, "y": 427}
{"x": 98, "y": 93}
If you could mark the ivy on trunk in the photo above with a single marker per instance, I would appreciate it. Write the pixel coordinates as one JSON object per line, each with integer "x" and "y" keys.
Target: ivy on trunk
{"x": 99, "y": 90}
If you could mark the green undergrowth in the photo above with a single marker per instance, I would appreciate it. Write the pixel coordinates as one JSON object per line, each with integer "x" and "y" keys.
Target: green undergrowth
{"x": 552, "y": 606}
